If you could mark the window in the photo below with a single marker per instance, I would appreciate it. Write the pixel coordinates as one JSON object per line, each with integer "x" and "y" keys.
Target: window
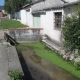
{"x": 58, "y": 19}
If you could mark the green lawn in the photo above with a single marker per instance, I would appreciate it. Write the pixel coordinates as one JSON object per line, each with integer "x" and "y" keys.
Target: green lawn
{"x": 5, "y": 24}
{"x": 44, "y": 52}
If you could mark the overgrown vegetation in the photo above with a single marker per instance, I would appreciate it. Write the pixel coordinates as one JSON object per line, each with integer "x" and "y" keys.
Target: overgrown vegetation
{"x": 44, "y": 52}
{"x": 78, "y": 65}
{"x": 15, "y": 75}
{"x": 5, "y": 24}
{"x": 71, "y": 32}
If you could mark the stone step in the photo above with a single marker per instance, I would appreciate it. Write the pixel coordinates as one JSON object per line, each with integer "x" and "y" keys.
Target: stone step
{"x": 52, "y": 45}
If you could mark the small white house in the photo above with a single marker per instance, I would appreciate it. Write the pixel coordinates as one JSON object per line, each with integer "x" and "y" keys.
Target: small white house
{"x": 49, "y": 15}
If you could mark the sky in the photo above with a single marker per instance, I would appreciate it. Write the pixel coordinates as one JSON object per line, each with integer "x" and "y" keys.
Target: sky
{"x": 1, "y": 2}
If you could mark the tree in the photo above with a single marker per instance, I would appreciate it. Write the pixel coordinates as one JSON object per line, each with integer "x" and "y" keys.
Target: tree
{"x": 12, "y": 6}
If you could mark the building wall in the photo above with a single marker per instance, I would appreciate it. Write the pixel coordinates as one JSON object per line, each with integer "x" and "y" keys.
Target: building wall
{"x": 71, "y": 0}
{"x": 47, "y": 22}
{"x": 23, "y": 16}
{"x": 26, "y": 17}
{"x": 70, "y": 10}
{"x": 29, "y": 18}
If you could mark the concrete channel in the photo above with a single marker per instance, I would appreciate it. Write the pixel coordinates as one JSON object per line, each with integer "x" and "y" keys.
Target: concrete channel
{"x": 36, "y": 68}
{"x": 32, "y": 66}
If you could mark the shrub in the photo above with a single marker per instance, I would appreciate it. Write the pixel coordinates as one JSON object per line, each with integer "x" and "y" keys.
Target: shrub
{"x": 71, "y": 32}
{"x": 75, "y": 55}
{"x": 77, "y": 65}
{"x": 15, "y": 75}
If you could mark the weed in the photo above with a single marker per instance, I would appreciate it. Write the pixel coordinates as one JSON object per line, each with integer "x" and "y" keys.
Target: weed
{"x": 15, "y": 75}
{"x": 77, "y": 65}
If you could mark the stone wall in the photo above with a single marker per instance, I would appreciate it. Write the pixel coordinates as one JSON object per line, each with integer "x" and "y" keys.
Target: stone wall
{"x": 29, "y": 34}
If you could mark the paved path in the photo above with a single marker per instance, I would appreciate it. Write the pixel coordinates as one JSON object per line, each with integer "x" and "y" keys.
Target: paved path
{"x": 2, "y": 34}
{"x": 8, "y": 58}
{"x": 3, "y": 63}
{"x": 8, "y": 61}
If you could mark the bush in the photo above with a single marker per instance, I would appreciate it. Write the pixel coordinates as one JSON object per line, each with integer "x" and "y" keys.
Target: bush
{"x": 71, "y": 32}
{"x": 77, "y": 65}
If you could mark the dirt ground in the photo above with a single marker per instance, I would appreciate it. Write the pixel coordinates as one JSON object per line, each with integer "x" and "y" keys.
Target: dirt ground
{"x": 36, "y": 68}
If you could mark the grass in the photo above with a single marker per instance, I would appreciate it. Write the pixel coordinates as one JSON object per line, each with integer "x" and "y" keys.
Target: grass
{"x": 5, "y": 24}
{"x": 44, "y": 52}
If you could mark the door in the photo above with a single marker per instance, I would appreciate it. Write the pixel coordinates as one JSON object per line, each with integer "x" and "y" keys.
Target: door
{"x": 36, "y": 20}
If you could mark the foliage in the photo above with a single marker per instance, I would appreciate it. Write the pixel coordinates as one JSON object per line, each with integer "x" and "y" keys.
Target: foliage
{"x": 71, "y": 32}
{"x": 12, "y": 6}
{"x": 78, "y": 65}
{"x": 75, "y": 55}
{"x": 15, "y": 75}
{"x": 41, "y": 50}
{"x": 11, "y": 24}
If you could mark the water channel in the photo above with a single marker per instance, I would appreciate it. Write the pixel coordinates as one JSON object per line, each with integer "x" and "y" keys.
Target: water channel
{"x": 36, "y": 68}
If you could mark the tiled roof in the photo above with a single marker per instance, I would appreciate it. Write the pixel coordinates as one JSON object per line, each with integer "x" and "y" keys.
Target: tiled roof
{"x": 64, "y": 1}
{"x": 37, "y": 1}
{"x": 56, "y": 6}
{"x": 63, "y": 5}
{"x": 34, "y": 2}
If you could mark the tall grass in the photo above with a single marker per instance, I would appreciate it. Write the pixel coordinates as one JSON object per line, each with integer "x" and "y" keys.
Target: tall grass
{"x": 5, "y": 24}
{"x": 42, "y": 51}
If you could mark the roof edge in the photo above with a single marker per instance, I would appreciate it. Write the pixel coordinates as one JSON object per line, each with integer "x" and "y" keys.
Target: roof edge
{"x": 31, "y": 3}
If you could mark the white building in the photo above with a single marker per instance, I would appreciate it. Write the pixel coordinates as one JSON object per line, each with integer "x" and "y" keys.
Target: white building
{"x": 49, "y": 15}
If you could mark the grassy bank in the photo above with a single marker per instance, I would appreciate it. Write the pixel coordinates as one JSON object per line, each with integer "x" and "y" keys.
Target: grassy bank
{"x": 44, "y": 52}
{"x": 5, "y": 24}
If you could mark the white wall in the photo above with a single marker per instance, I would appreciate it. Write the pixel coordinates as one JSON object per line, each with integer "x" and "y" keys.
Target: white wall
{"x": 9, "y": 16}
{"x": 24, "y": 16}
{"x": 47, "y": 22}
{"x": 71, "y": 0}
{"x": 70, "y": 10}
{"x": 29, "y": 18}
